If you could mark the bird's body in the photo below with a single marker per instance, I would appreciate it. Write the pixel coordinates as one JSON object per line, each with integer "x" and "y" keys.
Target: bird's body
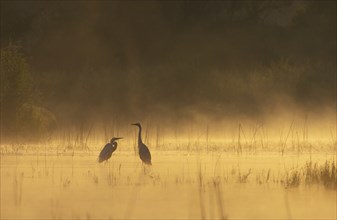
{"x": 144, "y": 154}
{"x": 108, "y": 150}
{"x": 143, "y": 150}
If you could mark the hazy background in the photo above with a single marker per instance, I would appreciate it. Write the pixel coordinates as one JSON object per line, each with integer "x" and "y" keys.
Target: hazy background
{"x": 76, "y": 63}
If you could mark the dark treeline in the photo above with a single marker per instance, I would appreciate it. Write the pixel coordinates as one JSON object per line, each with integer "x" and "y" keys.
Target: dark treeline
{"x": 76, "y": 61}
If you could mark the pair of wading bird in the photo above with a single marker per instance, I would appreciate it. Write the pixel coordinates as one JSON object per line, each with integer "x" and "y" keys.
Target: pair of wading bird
{"x": 143, "y": 151}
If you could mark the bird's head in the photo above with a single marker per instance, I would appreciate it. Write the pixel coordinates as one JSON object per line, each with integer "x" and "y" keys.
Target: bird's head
{"x": 136, "y": 124}
{"x": 115, "y": 139}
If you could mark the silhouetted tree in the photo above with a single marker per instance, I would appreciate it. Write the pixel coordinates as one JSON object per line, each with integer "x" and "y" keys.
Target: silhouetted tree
{"x": 19, "y": 115}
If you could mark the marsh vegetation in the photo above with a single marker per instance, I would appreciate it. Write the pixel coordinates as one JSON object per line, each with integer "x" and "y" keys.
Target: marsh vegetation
{"x": 237, "y": 100}
{"x": 59, "y": 180}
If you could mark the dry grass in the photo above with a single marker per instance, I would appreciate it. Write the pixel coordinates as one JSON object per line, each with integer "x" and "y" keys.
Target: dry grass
{"x": 325, "y": 174}
{"x": 202, "y": 183}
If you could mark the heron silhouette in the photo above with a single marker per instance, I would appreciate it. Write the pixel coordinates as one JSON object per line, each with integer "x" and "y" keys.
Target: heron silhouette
{"x": 108, "y": 149}
{"x": 143, "y": 150}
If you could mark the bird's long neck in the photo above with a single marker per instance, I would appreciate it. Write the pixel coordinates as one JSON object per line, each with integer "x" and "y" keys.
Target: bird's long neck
{"x": 140, "y": 135}
{"x": 114, "y": 145}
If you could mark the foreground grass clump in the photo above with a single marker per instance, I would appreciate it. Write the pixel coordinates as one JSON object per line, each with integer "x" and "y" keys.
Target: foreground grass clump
{"x": 313, "y": 173}
{"x": 325, "y": 174}
{"x": 293, "y": 179}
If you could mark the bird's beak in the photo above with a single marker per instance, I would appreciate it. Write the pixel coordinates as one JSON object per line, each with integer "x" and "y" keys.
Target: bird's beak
{"x": 133, "y": 124}
{"x": 118, "y": 138}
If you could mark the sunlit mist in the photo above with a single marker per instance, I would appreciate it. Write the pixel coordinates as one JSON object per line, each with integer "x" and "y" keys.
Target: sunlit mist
{"x": 168, "y": 109}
